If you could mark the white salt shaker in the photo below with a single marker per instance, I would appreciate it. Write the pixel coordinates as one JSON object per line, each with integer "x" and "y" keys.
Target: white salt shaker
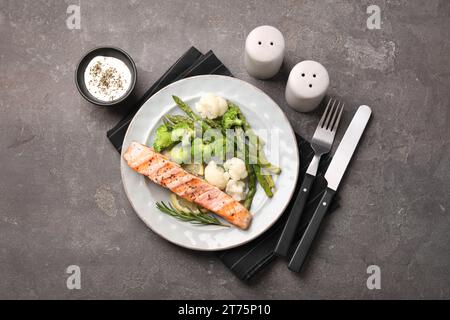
{"x": 264, "y": 52}
{"x": 307, "y": 84}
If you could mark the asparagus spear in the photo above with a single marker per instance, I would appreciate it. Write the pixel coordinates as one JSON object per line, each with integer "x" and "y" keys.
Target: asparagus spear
{"x": 251, "y": 173}
{"x": 167, "y": 123}
{"x": 176, "y": 118}
{"x": 185, "y": 107}
{"x": 251, "y": 187}
{"x": 262, "y": 160}
{"x": 262, "y": 180}
{"x": 269, "y": 180}
{"x": 271, "y": 168}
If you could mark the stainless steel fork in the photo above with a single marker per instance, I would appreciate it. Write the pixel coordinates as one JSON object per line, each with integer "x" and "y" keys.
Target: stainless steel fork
{"x": 321, "y": 144}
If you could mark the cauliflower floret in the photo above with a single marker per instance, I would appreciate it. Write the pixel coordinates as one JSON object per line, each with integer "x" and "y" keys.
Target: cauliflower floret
{"x": 236, "y": 189}
{"x": 236, "y": 168}
{"x": 211, "y": 106}
{"x": 216, "y": 175}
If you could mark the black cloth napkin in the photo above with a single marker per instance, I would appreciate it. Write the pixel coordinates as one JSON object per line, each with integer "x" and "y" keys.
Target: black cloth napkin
{"x": 246, "y": 260}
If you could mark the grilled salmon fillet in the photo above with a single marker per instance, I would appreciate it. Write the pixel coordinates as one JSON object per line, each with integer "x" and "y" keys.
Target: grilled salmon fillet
{"x": 169, "y": 174}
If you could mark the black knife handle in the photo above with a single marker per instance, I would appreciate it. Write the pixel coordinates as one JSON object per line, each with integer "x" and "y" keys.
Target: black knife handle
{"x": 290, "y": 228}
{"x": 301, "y": 252}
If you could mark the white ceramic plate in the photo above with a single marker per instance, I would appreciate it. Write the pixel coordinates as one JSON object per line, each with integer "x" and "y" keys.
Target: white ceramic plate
{"x": 262, "y": 113}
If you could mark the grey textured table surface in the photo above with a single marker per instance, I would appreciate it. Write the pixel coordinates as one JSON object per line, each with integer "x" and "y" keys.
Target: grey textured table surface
{"x": 61, "y": 197}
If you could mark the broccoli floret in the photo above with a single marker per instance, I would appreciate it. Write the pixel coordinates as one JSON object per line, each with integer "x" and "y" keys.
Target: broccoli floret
{"x": 231, "y": 118}
{"x": 163, "y": 139}
{"x": 182, "y": 132}
{"x": 180, "y": 154}
{"x": 219, "y": 148}
{"x": 208, "y": 151}
{"x": 197, "y": 149}
{"x": 201, "y": 152}
{"x": 167, "y": 136}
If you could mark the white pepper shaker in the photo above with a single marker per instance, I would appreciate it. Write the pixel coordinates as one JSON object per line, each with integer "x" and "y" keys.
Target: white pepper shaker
{"x": 307, "y": 85}
{"x": 264, "y": 52}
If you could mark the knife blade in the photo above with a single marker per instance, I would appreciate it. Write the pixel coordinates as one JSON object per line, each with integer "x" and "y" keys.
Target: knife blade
{"x": 347, "y": 147}
{"x": 334, "y": 175}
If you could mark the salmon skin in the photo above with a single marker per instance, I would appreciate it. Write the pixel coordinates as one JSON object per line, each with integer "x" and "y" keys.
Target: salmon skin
{"x": 169, "y": 174}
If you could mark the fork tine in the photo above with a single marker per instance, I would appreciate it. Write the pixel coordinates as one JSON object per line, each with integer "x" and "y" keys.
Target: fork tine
{"x": 332, "y": 110}
{"x": 322, "y": 120}
{"x": 336, "y": 123}
{"x": 335, "y": 113}
{"x": 324, "y": 115}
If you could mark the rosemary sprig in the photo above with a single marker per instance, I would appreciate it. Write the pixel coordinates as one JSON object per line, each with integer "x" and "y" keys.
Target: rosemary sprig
{"x": 194, "y": 218}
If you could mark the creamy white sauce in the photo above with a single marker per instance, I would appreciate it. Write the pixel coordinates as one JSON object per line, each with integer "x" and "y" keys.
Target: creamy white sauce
{"x": 107, "y": 78}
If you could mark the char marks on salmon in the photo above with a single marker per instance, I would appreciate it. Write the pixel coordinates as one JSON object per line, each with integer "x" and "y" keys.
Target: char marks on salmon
{"x": 169, "y": 174}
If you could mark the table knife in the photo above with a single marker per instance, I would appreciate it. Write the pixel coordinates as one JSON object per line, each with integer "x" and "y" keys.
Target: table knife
{"x": 334, "y": 174}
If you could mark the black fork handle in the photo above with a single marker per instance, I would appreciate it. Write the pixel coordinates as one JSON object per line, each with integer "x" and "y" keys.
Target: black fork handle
{"x": 303, "y": 247}
{"x": 290, "y": 228}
